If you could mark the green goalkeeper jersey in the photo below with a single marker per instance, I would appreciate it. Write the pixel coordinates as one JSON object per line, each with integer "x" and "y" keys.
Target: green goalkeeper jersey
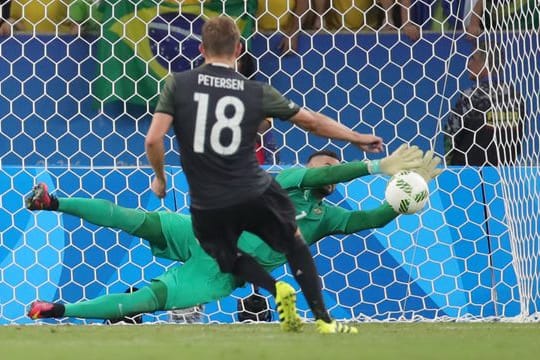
{"x": 199, "y": 280}
{"x": 315, "y": 219}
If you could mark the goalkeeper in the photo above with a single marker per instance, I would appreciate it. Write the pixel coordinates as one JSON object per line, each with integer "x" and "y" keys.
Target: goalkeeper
{"x": 199, "y": 280}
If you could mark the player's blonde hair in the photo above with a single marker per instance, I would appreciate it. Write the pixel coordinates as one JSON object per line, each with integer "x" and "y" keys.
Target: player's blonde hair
{"x": 220, "y": 36}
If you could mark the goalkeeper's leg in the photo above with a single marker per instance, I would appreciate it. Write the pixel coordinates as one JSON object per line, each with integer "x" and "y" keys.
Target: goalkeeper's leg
{"x": 100, "y": 212}
{"x": 115, "y": 306}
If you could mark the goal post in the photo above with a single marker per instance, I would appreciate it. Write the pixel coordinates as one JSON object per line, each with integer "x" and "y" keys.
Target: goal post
{"x": 472, "y": 254}
{"x": 512, "y": 44}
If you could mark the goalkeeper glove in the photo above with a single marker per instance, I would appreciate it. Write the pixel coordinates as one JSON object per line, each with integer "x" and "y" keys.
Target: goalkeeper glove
{"x": 428, "y": 168}
{"x": 404, "y": 158}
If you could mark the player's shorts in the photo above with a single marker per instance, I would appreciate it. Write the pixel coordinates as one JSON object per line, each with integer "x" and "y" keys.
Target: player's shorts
{"x": 271, "y": 216}
{"x": 197, "y": 281}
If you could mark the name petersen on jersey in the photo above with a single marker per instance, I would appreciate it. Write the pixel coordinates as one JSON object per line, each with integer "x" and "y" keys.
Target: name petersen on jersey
{"x": 219, "y": 82}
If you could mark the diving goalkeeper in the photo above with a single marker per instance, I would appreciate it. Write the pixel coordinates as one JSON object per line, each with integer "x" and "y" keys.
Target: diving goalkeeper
{"x": 199, "y": 280}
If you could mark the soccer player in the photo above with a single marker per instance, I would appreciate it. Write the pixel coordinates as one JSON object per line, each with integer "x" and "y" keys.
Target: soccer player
{"x": 216, "y": 112}
{"x": 486, "y": 125}
{"x": 199, "y": 279}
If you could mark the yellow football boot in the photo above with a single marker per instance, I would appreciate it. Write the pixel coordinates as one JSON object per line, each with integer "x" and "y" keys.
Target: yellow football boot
{"x": 286, "y": 307}
{"x": 334, "y": 328}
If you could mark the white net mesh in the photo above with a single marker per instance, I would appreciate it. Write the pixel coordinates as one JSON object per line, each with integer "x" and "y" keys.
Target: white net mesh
{"x": 513, "y": 47}
{"x": 78, "y": 82}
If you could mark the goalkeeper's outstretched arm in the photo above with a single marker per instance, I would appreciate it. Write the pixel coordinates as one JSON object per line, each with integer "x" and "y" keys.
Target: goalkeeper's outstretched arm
{"x": 354, "y": 221}
{"x": 370, "y": 219}
{"x": 404, "y": 158}
{"x": 333, "y": 174}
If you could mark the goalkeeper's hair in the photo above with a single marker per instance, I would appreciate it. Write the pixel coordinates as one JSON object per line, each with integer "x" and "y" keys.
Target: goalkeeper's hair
{"x": 330, "y": 153}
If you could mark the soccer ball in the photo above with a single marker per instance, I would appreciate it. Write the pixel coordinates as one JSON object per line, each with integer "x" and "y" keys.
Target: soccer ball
{"x": 407, "y": 192}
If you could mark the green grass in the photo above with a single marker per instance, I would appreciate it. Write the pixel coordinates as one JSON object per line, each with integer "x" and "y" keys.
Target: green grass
{"x": 375, "y": 341}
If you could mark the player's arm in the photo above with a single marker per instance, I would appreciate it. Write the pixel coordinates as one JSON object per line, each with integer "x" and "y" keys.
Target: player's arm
{"x": 161, "y": 122}
{"x": 276, "y": 105}
{"x": 370, "y": 219}
{"x": 409, "y": 28}
{"x": 474, "y": 29}
{"x": 341, "y": 221}
{"x": 404, "y": 158}
{"x": 454, "y": 125}
{"x": 333, "y": 174}
{"x": 155, "y": 149}
{"x": 264, "y": 126}
{"x": 454, "y": 122}
{"x": 5, "y": 14}
{"x": 322, "y": 125}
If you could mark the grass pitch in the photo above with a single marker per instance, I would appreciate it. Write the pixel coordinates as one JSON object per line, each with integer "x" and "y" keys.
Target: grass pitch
{"x": 375, "y": 341}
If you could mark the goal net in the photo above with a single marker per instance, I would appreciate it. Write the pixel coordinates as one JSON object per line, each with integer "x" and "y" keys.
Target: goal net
{"x": 513, "y": 46}
{"x": 79, "y": 80}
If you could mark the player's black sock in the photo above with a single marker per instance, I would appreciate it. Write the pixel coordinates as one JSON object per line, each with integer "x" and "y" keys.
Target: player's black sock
{"x": 305, "y": 273}
{"x": 249, "y": 270}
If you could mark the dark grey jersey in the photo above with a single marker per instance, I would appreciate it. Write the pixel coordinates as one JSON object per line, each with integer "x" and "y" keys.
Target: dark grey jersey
{"x": 216, "y": 114}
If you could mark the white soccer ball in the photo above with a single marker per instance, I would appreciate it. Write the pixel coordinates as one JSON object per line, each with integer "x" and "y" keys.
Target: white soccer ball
{"x": 407, "y": 192}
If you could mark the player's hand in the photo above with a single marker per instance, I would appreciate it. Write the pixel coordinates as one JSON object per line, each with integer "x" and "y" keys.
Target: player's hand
{"x": 428, "y": 168}
{"x": 288, "y": 44}
{"x": 159, "y": 186}
{"x": 75, "y": 29}
{"x": 412, "y": 31}
{"x": 5, "y": 28}
{"x": 404, "y": 158}
{"x": 473, "y": 31}
{"x": 369, "y": 143}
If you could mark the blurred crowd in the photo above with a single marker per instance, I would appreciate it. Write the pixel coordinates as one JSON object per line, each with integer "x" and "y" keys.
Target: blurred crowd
{"x": 469, "y": 117}
{"x": 291, "y": 17}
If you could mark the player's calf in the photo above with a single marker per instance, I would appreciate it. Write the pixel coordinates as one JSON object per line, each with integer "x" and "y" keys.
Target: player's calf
{"x": 40, "y": 199}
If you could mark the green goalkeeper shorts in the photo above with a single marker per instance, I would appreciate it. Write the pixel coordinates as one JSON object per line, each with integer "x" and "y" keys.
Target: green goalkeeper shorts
{"x": 198, "y": 281}
{"x": 178, "y": 235}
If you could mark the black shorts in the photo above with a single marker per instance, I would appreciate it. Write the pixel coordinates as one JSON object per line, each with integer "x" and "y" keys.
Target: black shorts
{"x": 271, "y": 216}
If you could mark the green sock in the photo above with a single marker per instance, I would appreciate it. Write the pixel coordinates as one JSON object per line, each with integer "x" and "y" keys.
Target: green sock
{"x": 146, "y": 225}
{"x": 114, "y": 306}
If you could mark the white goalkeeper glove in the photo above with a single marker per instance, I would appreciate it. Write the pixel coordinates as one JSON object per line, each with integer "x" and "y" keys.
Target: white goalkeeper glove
{"x": 428, "y": 169}
{"x": 404, "y": 158}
